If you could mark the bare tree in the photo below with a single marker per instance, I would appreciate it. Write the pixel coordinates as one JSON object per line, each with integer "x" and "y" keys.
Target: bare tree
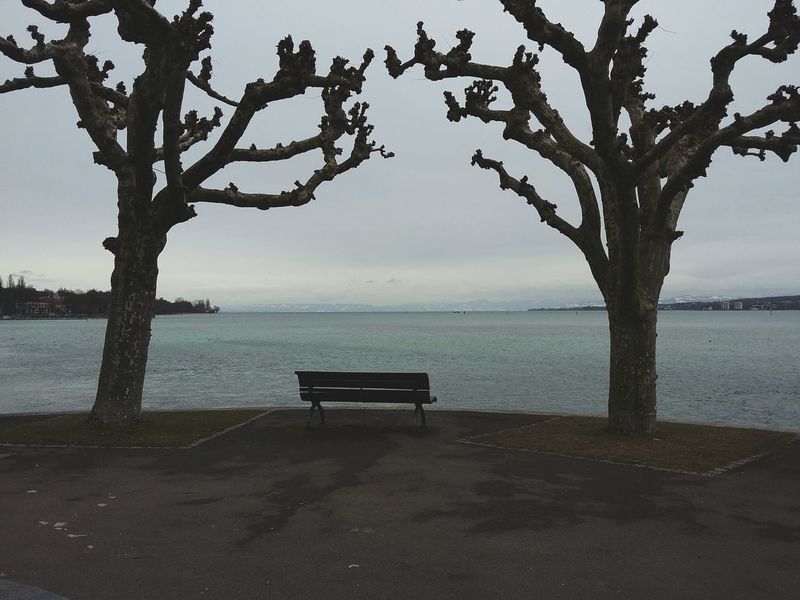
{"x": 632, "y": 178}
{"x": 153, "y": 109}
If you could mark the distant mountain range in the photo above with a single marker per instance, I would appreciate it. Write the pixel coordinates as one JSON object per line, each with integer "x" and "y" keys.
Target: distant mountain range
{"x": 471, "y": 306}
{"x": 678, "y": 303}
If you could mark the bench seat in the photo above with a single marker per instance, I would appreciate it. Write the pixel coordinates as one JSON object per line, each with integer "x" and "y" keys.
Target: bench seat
{"x": 390, "y": 388}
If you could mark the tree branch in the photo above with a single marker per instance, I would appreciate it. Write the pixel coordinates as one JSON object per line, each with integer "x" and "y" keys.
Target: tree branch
{"x": 80, "y": 72}
{"x": 785, "y": 107}
{"x": 84, "y": 79}
{"x": 546, "y": 210}
{"x": 194, "y": 131}
{"x": 605, "y": 93}
{"x": 63, "y": 11}
{"x": 193, "y": 79}
{"x": 627, "y": 73}
{"x": 521, "y": 79}
{"x": 295, "y": 75}
{"x": 40, "y": 52}
{"x": 158, "y": 93}
{"x": 219, "y": 156}
{"x": 304, "y": 192}
{"x": 782, "y": 146}
{"x": 141, "y": 23}
{"x": 780, "y": 41}
{"x": 31, "y": 81}
{"x": 611, "y": 31}
{"x": 160, "y": 89}
{"x": 546, "y": 33}
{"x": 586, "y": 237}
{"x": 627, "y": 92}
{"x": 233, "y": 197}
{"x": 517, "y": 127}
{"x": 279, "y": 152}
{"x": 203, "y": 82}
{"x": 170, "y": 118}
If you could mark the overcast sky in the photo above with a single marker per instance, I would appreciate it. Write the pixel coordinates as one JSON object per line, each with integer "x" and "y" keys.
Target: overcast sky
{"x": 423, "y": 227}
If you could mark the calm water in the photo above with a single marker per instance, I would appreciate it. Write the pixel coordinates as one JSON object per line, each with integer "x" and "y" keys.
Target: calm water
{"x": 722, "y": 367}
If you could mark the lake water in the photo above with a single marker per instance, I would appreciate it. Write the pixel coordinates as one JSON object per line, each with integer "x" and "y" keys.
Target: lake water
{"x": 721, "y": 367}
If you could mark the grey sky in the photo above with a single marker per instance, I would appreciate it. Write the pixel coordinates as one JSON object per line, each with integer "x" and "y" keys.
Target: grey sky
{"x": 420, "y": 228}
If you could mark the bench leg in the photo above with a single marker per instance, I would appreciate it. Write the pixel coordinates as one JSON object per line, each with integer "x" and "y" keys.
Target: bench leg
{"x": 419, "y": 413}
{"x": 311, "y": 413}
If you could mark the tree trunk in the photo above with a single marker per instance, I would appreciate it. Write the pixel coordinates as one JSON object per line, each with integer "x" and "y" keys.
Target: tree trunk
{"x": 632, "y": 373}
{"x": 133, "y": 294}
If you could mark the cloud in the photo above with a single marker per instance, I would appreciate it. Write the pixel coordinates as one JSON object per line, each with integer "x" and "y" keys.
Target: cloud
{"x": 423, "y": 225}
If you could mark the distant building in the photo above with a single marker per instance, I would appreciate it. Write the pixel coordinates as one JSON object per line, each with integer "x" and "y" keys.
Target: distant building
{"x": 45, "y": 306}
{"x": 738, "y": 305}
{"x": 725, "y": 305}
{"x": 33, "y": 308}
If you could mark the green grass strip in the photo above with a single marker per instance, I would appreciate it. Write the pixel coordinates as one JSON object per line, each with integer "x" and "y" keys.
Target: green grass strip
{"x": 676, "y": 446}
{"x": 157, "y": 429}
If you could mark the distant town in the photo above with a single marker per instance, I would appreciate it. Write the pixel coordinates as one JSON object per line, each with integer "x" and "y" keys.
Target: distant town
{"x": 767, "y": 303}
{"x": 763, "y": 303}
{"x": 21, "y": 301}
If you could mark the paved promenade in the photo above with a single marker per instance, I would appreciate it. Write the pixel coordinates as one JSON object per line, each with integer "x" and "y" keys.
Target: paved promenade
{"x": 370, "y": 507}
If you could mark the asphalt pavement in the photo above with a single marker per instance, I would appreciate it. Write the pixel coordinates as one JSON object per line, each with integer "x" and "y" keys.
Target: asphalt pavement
{"x": 369, "y": 506}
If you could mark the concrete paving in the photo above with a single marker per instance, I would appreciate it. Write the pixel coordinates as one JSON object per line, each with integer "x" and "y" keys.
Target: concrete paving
{"x": 371, "y": 507}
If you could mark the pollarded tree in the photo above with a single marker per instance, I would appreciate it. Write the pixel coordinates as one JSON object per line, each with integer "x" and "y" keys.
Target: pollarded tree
{"x": 157, "y": 133}
{"x": 632, "y": 178}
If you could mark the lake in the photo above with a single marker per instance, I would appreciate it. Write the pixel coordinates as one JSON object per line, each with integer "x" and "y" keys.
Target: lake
{"x": 720, "y": 367}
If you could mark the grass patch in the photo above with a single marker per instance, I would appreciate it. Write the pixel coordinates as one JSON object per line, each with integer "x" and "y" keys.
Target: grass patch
{"x": 157, "y": 429}
{"x": 676, "y": 446}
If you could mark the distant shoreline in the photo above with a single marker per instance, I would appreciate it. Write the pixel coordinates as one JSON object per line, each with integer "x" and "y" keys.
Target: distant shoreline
{"x": 83, "y": 317}
{"x": 586, "y": 309}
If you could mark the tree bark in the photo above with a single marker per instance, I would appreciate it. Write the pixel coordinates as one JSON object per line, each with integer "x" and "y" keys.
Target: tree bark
{"x": 632, "y": 372}
{"x": 133, "y": 294}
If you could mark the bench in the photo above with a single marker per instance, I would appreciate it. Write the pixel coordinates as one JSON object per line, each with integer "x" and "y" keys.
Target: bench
{"x": 389, "y": 388}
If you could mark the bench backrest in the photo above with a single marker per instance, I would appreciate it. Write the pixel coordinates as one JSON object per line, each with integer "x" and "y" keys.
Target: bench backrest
{"x": 361, "y": 380}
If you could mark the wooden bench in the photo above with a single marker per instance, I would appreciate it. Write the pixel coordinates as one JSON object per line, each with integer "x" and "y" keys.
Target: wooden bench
{"x": 389, "y": 388}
